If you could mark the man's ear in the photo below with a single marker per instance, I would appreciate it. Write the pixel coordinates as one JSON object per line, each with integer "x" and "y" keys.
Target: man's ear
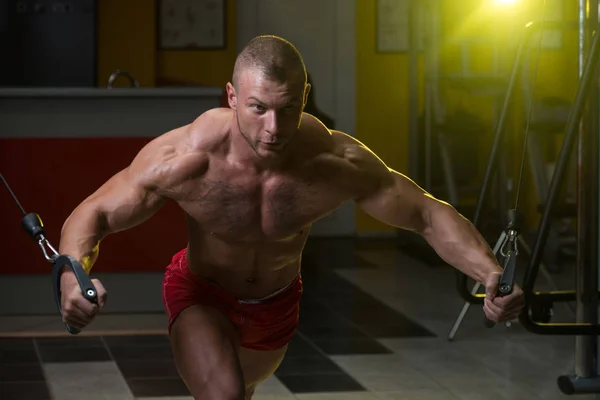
{"x": 231, "y": 96}
{"x": 306, "y": 92}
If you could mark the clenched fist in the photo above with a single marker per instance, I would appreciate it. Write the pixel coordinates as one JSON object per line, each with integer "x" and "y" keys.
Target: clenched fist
{"x": 77, "y": 311}
{"x": 500, "y": 309}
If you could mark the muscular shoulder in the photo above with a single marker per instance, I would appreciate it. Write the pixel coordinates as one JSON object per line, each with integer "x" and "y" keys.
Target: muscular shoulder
{"x": 326, "y": 142}
{"x": 210, "y": 132}
{"x": 343, "y": 158}
{"x": 184, "y": 152}
{"x": 179, "y": 155}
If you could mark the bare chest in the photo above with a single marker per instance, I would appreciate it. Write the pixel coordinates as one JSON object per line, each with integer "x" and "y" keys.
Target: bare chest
{"x": 274, "y": 208}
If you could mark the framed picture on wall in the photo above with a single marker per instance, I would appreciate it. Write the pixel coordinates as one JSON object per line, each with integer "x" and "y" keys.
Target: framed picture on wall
{"x": 393, "y": 25}
{"x": 191, "y": 24}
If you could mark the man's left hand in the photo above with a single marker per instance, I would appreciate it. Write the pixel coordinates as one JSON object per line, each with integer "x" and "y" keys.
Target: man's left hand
{"x": 500, "y": 309}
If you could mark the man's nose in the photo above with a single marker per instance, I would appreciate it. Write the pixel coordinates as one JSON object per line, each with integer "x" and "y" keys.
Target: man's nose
{"x": 272, "y": 122}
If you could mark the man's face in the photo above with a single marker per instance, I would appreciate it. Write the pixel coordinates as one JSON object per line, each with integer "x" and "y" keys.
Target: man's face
{"x": 268, "y": 112}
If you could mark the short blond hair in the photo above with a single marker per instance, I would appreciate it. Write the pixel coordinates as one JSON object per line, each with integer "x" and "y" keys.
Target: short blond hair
{"x": 274, "y": 56}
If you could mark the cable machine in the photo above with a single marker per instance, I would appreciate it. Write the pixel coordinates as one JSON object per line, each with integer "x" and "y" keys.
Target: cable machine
{"x": 583, "y": 129}
{"x": 443, "y": 126}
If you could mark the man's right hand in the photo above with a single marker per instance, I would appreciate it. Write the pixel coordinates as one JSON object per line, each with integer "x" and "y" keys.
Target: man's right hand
{"x": 77, "y": 311}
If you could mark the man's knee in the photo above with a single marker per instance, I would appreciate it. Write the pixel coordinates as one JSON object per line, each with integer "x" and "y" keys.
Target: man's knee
{"x": 212, "y": 391}
{"x": 215, "y": 386}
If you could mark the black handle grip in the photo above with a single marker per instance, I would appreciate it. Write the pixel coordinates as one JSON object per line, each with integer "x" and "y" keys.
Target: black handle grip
{"x": 32, "y": 224}
{"x": 505, "y": 287}
{"x": 85, "y": 283}
{"x": 506, "y": 282}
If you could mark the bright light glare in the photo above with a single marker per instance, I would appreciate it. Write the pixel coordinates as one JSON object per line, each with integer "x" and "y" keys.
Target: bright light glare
{"x": 505, "y": 2}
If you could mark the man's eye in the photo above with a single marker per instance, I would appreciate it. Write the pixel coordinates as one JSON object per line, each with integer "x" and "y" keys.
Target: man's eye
{"x": 259, "y": 107}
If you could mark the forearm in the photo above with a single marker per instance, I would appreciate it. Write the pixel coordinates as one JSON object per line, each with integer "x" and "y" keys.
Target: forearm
{"x": 81, "y": 235}
{"x": 456, "y": 240}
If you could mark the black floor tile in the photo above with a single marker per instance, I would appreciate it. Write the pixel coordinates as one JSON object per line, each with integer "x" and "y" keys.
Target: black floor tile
{"x": 73, "y": 354}
{"x": 162, "y": 387}
{"x": 358, "y": 302}
{"x": 321, "y": 383}
{"x": 381, "y": 331}
{"x": 308, "y": 365}
{"x": 351, "y": 346}
{"x": 376, "y": 243}
{"x": 318, "y": 311}
{"x": 141, "y": 352}
{"x": 71, "y": 342}
{"x": 137, "y": 340}
{"x": 353, "y": 313}
{"x": 329, "y": 253}
{"x": 299, "y": 347}
{"x": 311, "y": 308}
{"x": 346, "y": 295}
{"x": 361, "y": 262}
{"x": 329, "y": 285}
{"x": 330, "y": 261}
{"x": 18, "y": 356}
{"x": 17, "y": 344}
{"x": 24, "y": 391}
{"x": 310, "y": 320}
{"x": 148, "y": 369}
{"x": 376, "y": 316}
{"x": 338, "y": 331}
{"x": 21, "y": 372}
{"x": 385, "y": 323}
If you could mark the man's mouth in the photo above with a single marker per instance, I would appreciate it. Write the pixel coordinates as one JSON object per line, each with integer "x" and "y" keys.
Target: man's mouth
{"x": 274, "y": 144}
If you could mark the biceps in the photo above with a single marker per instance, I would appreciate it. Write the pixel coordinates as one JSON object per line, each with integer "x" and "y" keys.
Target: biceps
{"x": 122, "y": 203}
{"x": 400, "y": 202}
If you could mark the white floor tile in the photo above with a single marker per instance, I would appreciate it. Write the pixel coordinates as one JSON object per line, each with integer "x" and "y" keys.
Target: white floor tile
{"x": 439, "y": 394}
{"x": 337, "y": 396}
{"x": 87, "y": 380}
{"x": 272, "y": 387}
{"x": 166, "y": 398}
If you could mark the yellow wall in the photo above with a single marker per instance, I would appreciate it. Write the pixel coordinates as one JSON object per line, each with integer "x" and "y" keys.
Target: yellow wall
{"x": 382, "y": 85}
{"x": 381, "y": 101}
{"x": 126, "y": 40}
{"x": 127, "y": 37}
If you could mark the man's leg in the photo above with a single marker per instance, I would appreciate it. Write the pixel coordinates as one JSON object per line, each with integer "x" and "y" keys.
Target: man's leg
{"x": 258, "y": 366}
{"x": 204, "y": 346}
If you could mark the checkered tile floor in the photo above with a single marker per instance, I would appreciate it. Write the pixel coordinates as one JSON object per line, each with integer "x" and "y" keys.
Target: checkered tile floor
{"x": 374, "y": 325}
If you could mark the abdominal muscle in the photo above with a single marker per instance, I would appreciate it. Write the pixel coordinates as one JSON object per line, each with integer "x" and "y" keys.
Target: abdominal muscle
{"x": 246, "y": 269}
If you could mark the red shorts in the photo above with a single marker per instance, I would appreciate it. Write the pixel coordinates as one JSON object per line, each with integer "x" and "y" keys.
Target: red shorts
{"x": 266, "y": 324}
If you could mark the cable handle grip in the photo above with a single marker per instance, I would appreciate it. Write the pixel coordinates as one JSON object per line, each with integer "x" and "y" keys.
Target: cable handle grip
{"x": 489, "y": 323}
{"x": 87, "y": 287}
{"x": 506, "y": 282}
{"x": 33, "y": 225}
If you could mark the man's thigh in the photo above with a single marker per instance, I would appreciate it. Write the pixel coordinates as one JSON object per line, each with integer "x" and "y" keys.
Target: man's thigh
{"x": 204, "y": 347}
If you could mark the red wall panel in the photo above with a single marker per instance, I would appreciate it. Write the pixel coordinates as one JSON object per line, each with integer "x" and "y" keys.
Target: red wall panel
{"x": 51, "y": 176}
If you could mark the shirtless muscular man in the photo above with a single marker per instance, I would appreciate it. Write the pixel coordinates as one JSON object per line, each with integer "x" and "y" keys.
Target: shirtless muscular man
{"x": 251, "y": 179}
